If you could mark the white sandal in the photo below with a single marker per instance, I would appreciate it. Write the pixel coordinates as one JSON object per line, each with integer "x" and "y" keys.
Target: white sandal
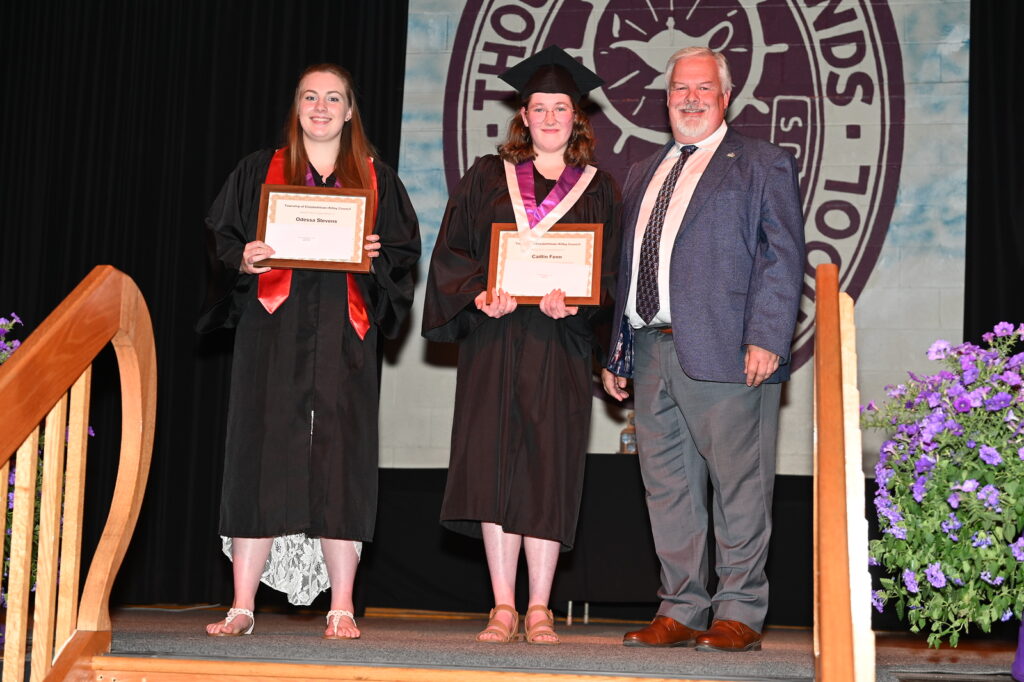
{"x": 335, "y": 615}
{"x": 232, "y": 613}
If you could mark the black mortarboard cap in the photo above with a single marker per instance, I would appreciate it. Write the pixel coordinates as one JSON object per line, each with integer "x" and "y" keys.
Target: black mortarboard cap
{"x": 551, "y": 70}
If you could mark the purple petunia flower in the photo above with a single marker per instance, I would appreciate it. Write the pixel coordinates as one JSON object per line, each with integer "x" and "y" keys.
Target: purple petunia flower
{"x": 924, "y": 464}
{"x": 998, "y": 401}
{"x": 895, "y": 391}
{"x": 1017, "y": 548}
{"x": 1007, "y": 615}
{"x": 962, "y": 404}
{"x": 884, "y": 473}
{"x": 980, "y": 540}
{"x": 989, "y": 455}
{"x": 1010, "y": 378}
{"x": 939, "y": 350}
{"x": 887, "y": 510}
{"x": 988, "y": 337}
{"x": 872, "y": 561}
{"x": 968, "y": 486}
{"x": 918, "y": 488}
{"x": 987, "y": 577}
{"x": 877, "y": 600}
{"x": 970, "y": 375}
{"x": 910, "y": 580}
{"x": 935, "y": 575}
{"x": 17, "y": 320}
{"x": 989, "y": 496}
{"x": 1020, "y": 453}
{"x": 1015, "y": 360}
{"x": 952, "y": 524}
{"x": 898, "y": 532}
{"x": 1003, "y": 329}
{"x": 953, "y": 500}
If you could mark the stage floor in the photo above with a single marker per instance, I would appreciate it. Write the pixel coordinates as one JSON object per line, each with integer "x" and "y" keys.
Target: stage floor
{"x": 445, "y": 642}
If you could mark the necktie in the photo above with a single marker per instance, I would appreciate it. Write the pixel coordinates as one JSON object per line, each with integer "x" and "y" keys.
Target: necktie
{"x": 647, "y": 304}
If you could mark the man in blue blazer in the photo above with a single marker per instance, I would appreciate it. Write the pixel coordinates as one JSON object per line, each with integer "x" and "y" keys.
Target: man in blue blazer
{"x": 708, "y": 294}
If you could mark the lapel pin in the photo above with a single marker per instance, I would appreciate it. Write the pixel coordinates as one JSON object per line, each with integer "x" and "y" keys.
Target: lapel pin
{"x": 731, "y": 155}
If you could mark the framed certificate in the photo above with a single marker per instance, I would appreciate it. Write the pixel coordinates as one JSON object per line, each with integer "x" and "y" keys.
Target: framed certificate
{"x": 316, "y": 228}
{"x": 566, "y": 257}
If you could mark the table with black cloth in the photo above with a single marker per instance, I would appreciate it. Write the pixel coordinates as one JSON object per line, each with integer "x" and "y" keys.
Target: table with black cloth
{"x": 413, "y": 563}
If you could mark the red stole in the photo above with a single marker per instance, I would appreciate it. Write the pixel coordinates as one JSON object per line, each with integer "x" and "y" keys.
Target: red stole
{"x": 275, "y": 285}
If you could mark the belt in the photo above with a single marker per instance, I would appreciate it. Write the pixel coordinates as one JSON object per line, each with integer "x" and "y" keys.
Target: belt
{"x": 664, "y": 329}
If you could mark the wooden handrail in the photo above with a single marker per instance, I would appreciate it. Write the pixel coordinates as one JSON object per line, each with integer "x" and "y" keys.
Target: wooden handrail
{"x": 833, "y": 621}
{"x": 106, "y": 307}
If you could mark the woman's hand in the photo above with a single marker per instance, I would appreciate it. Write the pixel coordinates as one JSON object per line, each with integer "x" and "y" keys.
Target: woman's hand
{"x": 501, "y": 303}
{"x": 253, "y": 252}
{"x": 553, "y": 305}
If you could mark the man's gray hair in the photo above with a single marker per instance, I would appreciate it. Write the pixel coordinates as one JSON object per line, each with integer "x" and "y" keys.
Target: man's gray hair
{"x": 724, "y": 75}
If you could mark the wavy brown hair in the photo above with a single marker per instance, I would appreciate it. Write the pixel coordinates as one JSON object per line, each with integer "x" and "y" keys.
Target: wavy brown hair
{"x": 518, "y": 145}
{"x": 351, "y": 168}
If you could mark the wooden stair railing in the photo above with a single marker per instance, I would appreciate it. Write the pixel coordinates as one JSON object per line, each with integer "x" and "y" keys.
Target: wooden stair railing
{"x": 843, "y": 641}
{"x": 106, "y": 307}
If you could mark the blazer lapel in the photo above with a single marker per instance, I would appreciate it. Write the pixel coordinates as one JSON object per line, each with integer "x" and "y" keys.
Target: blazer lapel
{"x": 720, "y": 163}
{"x": 629, "y": 224}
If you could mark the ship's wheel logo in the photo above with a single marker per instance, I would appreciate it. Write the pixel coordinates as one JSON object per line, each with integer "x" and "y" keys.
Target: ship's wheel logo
{"x": 823, "y": 81}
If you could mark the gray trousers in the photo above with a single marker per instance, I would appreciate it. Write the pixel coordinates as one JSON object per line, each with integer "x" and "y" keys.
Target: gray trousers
{"x": 688, "y": 432}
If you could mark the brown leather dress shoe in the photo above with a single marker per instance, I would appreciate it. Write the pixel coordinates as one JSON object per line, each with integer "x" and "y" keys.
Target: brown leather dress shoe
{"x": 663, "y": 631}
{"x": 729, "y": 635}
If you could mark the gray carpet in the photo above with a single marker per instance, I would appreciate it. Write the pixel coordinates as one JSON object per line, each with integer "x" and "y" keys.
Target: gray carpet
{"x": 448, "y": 644}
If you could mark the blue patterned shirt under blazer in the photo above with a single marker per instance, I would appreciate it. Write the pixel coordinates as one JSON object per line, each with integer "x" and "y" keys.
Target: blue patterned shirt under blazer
{"x": 737, "y": 263}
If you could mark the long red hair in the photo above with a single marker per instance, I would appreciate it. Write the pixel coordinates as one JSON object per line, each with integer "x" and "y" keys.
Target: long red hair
{"x": 351, "y": 168}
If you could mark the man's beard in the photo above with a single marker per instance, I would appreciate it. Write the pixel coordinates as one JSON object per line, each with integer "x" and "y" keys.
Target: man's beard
{"x": 692, "y": 127}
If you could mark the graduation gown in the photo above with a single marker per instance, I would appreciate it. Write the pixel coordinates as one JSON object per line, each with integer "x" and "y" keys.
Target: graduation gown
{"x": 523, "y": 389}
{"x": 301, "y": 452}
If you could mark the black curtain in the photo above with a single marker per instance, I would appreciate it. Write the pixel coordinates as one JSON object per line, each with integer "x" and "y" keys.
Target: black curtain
{"x": 995, "y": 170}
{"x": 121, "y": 120}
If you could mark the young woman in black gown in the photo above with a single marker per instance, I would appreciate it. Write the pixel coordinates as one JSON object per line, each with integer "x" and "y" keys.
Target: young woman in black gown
{"x": 523, "y": 389}
{"x": 300, "y": 474}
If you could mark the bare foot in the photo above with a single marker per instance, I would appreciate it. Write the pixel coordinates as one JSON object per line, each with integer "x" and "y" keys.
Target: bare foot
{"x": 237, "y": 622}
{"x": 341, "y": 625}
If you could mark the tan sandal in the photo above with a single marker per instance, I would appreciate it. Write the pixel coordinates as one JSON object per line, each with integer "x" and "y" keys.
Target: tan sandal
{"x": 504, "y": 633}
{"x": 543, "y": 627}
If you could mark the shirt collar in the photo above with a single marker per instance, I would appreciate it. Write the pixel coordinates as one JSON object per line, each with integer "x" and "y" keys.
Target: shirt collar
{"x": 711, "y": 140}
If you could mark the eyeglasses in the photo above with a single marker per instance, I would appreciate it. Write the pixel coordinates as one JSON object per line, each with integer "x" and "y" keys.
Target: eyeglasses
{"x": 560, "y": 111}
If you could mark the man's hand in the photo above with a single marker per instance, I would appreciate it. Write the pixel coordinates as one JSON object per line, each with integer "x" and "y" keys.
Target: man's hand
{"x": 759, "y": 364}
{"x": 614, "y": 385}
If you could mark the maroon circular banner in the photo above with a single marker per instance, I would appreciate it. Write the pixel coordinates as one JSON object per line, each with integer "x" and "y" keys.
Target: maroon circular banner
{"x": 822, "y": 78}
